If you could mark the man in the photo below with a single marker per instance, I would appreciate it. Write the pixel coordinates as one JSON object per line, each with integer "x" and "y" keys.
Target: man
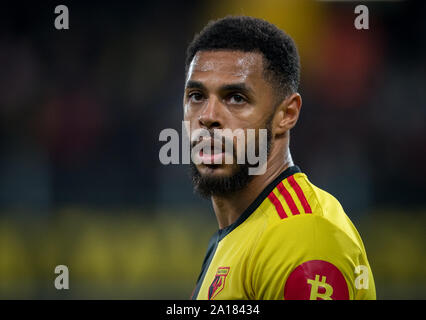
{"x": 279, "y": 237}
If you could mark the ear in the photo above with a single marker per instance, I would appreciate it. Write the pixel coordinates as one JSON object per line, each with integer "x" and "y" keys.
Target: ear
{"x": 287, "y": 113}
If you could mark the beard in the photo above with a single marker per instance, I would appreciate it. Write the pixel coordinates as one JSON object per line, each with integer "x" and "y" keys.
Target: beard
{"x": 207, "y": 186}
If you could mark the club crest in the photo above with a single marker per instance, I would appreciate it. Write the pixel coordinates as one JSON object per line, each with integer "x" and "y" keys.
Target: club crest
{"x": 218, "y": 282}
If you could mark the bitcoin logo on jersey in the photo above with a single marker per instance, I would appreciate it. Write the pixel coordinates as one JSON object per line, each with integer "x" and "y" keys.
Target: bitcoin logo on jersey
{"x": 316, "y": 285}
{"x": 316, "y": 280}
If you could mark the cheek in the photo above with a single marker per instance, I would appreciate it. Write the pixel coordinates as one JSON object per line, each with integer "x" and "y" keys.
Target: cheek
{"x": 189, "y": 115}
{"x": 186, "y": 112}
{"x": 251, "y": 118}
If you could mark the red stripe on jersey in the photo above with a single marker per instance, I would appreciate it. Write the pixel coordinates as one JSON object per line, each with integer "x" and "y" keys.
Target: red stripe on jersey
{"x": 273, "y": 198}
{"x": 300, "y": 194}
{"x": 288, "y": 198}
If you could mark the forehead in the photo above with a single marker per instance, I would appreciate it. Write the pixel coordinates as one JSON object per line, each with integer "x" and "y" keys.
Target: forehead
{"x": 226, "y": 65}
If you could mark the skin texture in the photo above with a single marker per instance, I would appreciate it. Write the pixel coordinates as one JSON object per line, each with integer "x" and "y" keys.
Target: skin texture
{"x": 227, "y": 89}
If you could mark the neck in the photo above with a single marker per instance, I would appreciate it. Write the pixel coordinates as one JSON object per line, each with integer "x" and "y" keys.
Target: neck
{"x": 229, "y": 207}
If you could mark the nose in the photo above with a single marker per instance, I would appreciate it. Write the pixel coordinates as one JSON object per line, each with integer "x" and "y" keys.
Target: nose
{"x": 210, "y": 117}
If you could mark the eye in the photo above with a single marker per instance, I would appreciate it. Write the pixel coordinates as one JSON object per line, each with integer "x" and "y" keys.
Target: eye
{"x": 195, "y": 97}
{"x": 236, "y": 98}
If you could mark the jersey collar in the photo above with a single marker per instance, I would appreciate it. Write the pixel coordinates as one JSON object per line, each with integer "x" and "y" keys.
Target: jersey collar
{"x": 258, "y": 201}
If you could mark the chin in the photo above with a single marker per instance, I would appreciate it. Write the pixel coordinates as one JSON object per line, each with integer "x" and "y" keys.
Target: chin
{"x": 215, "y": 171}
{"x": 222, "y": 180}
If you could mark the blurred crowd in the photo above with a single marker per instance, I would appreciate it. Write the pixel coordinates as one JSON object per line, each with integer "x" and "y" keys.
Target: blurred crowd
{"x": 81, "y": 109}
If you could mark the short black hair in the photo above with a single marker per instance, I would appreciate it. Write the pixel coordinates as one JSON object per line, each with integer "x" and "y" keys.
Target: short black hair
{"x": 247, "y": 34}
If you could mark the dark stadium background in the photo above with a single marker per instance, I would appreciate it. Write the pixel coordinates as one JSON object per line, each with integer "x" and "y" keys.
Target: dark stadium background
{"x": 81, "y": 110}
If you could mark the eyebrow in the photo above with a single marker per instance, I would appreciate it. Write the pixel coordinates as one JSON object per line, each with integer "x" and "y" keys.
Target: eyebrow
{"x": 191, "y": 84}
{"x": 237, "y": 87}
{"x": 195, "y": 85}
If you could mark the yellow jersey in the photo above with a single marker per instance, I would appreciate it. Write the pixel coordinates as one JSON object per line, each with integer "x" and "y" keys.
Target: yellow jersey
{"x": 293, "y": 242}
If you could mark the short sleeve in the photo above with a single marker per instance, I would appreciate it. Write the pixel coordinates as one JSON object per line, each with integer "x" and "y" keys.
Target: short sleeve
{"x": 306, "y": 257}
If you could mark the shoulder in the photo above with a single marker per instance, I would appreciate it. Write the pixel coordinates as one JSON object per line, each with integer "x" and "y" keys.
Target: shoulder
{"x": 309, "y": 235}
{"x": 305, "y": 234}
{"x": 315, "y": 237}
{"x": 297, "y": 207}
{"x": 292, "y": 252}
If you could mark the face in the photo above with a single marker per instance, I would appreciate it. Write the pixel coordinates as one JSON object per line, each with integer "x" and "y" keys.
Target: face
{"x": 226, "y": 90}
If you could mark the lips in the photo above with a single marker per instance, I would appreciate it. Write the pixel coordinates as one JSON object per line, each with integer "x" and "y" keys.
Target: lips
{"x": 210, "y": 152}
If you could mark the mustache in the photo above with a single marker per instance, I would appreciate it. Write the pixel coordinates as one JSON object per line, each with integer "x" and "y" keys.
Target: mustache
{"x": 210, "y": 137}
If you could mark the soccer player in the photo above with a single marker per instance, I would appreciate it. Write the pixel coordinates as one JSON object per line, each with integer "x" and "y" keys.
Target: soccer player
{"x": 279, "y": 236}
